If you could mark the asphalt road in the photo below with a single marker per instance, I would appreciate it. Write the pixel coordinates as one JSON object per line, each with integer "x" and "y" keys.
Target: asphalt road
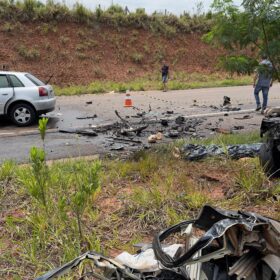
{"x": 16, "y": 142}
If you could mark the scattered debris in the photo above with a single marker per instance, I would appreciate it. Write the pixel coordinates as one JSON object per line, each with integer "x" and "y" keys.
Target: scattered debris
{"x": 164, "y": 122}
{"x": 209, "y": 178}
{"x": 159, "y": 136}
{"x": 173, "y": 134}
{"x": 155, "y": 137}
{"x": 235, "y": 245}
{"x": 152, "y": 139}
{"x": 238, "y": 127}
{"x": 226, "y": 101}
{"x": 190, "y": 129}
{"x": 223, "y": 131}
{"x": 117, "y": 148}
{"x": 214, "y": 107}
{"x": 87, "y": 117}
{"x": 125, "y": 140}
{"x": 197, "y": 152}
{"x": 84, "y": 131}
{"x": 227, "y": 105}
{"x": 245, "y": 117}
{"x": 176, "y": 152}
{"x": 272, "y": 112}
{"x": 194, "y": 103}
{"x": 229, "y": 108}
{"x": 180, "y": 120}
{"x": 129, "y": 128}
{"x": 136, "y": 129}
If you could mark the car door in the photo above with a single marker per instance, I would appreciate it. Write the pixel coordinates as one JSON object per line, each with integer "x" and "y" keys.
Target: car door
{"x": 6, "y": 92}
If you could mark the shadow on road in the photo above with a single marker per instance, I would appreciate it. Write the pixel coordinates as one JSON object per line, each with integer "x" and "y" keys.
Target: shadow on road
{"x": 6, "y": 124}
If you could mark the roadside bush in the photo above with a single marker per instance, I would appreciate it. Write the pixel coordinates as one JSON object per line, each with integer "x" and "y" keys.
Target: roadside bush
{"x": 159, "y": 55}
{"x": 7, "y": 170}
{"x": 81, "y": 55}
{"x": 64, "y": 40}
{"x": 29, "y": 7}
{"x": 54, "y": 11}
{"x": 28, "y": 53}
{"x": 82, "y": 14}
{"x": 47, "y": 28}
{"x": 115, "y": 9}
{"x": 137, "y": 58}
{"x": 99, "y": 74}
{"x": 115, "y": 15}
{"x": 8, "y": 27}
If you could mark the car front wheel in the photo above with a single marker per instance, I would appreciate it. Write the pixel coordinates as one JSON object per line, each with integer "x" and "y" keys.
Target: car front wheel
{"x": 22, "y": 114}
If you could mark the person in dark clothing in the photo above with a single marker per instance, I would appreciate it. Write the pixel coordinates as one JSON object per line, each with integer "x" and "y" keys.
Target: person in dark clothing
{"x": 165, "y": 75}
{"x": 262, "y": 82}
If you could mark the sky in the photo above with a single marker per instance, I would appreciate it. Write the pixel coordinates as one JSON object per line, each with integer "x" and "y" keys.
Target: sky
{"x": 173, "y": 6}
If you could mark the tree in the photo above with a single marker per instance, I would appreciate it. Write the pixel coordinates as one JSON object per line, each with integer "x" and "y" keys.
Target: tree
{"x": 250, "y": 30}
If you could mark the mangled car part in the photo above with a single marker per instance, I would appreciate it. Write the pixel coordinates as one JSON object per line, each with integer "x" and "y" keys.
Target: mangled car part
{"x": 235, "y": 245}
{"x": 227, "y": 105}
{"x": 197, "y": 152}
{"x": 244, "y": 243}
{"x": 270, "y": 150}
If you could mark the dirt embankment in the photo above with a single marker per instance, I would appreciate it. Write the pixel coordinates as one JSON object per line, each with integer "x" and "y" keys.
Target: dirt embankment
{"x": 78, "y": 54}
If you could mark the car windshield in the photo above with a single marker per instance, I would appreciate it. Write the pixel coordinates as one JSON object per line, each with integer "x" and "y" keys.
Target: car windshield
{"x": 34, "y": 80}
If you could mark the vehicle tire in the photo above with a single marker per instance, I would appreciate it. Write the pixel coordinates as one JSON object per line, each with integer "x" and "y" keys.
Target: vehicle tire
{"x": 269, "y": 158}
{"x": 23, "y": 114}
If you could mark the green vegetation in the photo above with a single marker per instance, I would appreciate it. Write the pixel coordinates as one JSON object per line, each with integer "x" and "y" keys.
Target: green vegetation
{"x": 179, "y": 81}
{"x": 166, "y": 24}
{"x": 255, "y": 26}
{"x": 228, "y": 139}
{"x": 64, "y": 40}
{"x": 137, "y": 58}
{"x": 11, "y": 28}
{"x": 47, "y": 28}
{"x": 89, "y": 202}
{"x": 81, "y": 55}
{"x": 28, "y": 53}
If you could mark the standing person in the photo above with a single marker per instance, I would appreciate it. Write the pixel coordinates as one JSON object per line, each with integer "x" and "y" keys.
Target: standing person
{"x": 262, "y": 82}
{"x": 165, "y": 75}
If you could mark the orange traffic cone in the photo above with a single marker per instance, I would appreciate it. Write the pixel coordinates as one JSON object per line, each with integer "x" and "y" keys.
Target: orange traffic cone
{"x": 128, "y": 101}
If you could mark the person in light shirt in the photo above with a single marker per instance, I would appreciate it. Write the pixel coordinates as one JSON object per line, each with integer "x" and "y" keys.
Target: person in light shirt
{"x": 262, "y": 82}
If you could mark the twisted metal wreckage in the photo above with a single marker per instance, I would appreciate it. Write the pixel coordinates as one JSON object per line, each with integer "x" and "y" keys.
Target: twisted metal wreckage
{"x": 235, "y": 245}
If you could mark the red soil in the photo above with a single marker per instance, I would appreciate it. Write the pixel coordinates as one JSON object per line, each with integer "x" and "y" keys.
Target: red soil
{"x": 77, "y": 54}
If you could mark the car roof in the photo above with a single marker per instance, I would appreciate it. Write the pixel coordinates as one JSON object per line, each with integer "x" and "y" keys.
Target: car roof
{"x": 11, "y": 72}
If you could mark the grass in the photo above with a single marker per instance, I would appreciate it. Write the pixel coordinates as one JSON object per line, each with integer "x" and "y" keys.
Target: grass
{"x": 228, "y": 139}
{"x": 136, "y": 198}
{"x": 137, "y": 58}
{"x": 28, "y": 53}
{"x": 179, "y": 81}
{"x": 165, "y": 24}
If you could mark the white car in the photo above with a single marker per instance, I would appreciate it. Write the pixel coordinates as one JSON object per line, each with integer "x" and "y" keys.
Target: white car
{"x": 23, "y": 97}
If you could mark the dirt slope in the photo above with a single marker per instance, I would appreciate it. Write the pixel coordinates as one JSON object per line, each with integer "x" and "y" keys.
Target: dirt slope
{"x": 77, "y": 54}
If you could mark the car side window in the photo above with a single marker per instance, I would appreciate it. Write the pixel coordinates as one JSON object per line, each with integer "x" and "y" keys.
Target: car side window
{"x": 4, "y": 83}
{"x": 15, "y": 81}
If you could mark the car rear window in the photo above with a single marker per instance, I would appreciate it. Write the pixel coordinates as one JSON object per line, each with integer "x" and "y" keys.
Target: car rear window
{"x": 4, "y": 82}
{"x": 34, "y": 80}
{"x": 15, "y": 81}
